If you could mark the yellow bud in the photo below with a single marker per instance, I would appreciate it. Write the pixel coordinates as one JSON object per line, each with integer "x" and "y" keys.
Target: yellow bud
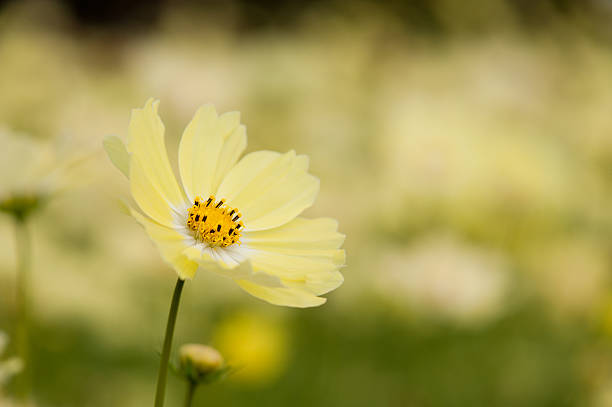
{"x": 201, "y": 358}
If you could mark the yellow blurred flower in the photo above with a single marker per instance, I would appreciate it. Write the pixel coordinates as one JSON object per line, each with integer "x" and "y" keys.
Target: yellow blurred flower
{"x": 255, "y": 345}
{"x": 238, "y": 218}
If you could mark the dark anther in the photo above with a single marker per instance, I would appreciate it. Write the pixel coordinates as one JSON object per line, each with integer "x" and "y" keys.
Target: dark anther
{"x": 204, "y": 218}
{"x": 230, "y": 231}
{"x": 235, "y": 218}
{"x": 218, "y": 228}
{"x": 219, "y": 204}
{"x": 238, "y": 226}
{"x": 232, "y": 212}
{"x": 209, "y": 201}
{"x": 197, "y": 217}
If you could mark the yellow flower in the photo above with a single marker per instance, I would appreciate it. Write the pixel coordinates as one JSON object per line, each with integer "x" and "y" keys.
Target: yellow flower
{"x": 237, "y": 217}
{"x": 255, "y": 344}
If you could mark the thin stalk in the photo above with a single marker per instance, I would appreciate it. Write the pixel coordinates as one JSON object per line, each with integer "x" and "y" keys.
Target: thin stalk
{"x": 191, "y": 388}
{"x": 165, "y": 356}
{"x": 23, "y": 245}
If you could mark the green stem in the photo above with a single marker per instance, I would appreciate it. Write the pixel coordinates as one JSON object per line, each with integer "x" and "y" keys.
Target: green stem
{"x": 165, "y": 357}
{"x": 23, "y": 304}
{"x": 191, "y": 388}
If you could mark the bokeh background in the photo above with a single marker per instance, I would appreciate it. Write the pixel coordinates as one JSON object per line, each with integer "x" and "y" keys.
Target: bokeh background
{"x": 465, "y": 148}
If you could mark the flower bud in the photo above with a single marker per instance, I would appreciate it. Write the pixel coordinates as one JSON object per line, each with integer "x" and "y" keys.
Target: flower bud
{"x": 200, "y": 360}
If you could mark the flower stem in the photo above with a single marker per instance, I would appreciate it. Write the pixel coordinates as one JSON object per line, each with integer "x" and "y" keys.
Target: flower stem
{"x": 165, "y": 357}
{"x": 191, "y": 387}
{"x": 23, "y": 245}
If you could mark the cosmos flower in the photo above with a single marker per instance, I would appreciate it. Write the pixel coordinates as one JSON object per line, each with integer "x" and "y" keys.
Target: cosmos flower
{"x": 33, "y": 170}
{"x": 237, "y": 217}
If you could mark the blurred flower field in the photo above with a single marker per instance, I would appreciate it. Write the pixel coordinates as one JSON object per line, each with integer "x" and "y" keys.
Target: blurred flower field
{"x": 471, "y": 172}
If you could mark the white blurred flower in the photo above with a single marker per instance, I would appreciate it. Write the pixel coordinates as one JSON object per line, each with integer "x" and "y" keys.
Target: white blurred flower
{"x": 443, "y": 278}
{"x": 32, "y": 170}
{"x": 459, "y": 129}
{"x": 8, "y": 367}
{"x": 185, "y": 74}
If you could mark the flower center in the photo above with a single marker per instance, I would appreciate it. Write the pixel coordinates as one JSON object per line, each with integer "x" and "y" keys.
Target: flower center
{"x": 214, "y": 223}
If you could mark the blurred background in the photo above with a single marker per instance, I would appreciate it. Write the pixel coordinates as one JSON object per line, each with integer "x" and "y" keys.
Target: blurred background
{"x": 465, "y": 148}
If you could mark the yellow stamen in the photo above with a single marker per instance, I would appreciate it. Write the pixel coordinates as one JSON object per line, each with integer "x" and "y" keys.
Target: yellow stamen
{"x": 214, "y": 222}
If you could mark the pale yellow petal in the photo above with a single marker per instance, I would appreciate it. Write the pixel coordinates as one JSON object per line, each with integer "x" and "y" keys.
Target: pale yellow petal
{"x": 117, "y": 153}
{"x": 290, "y": 297}
{"x": 198, "y": 151}
{"x": 269, "y": 188}
{"x": 253, "y": 175}
{"x": 149, "y": 197}
{"x": 209, "y": 147}
{"x": 147, "y": 147}
{"x": 184, "y": 267}
{"x": 297, "y": 266}
{"x": 303, "y": 253}
{"x": 245, "y": 172}
{"x": 232, "y": 149}
{"x": 171, "y": 245}
{"x": 320, "y": 233}
{"x": 316, "y": 283}
{"x": 242, "y": 271}
{"x": 317, "y": 273}
{"x": 283, "y": 202}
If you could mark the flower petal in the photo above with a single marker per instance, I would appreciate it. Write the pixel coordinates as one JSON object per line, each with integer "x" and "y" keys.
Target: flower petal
{"x": 320, "y": 233}
{"x": 233, "y": 146}
{"x": 303, "y": 253}
{"x": 116, "y": 151}
{"x": 317, "y": 274}
{"x": 217, "y": 263}
{"x": 148, "y": 149}
{"x": 297, "y": 266}
{"x": 269, "y": 188}
{"x": 316, "y": 283}
{"x": 209, "y": 147}
{"x": 171, "y": 244}
{"x": 149, "y": 198}
{"x": 290, "y": 297}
